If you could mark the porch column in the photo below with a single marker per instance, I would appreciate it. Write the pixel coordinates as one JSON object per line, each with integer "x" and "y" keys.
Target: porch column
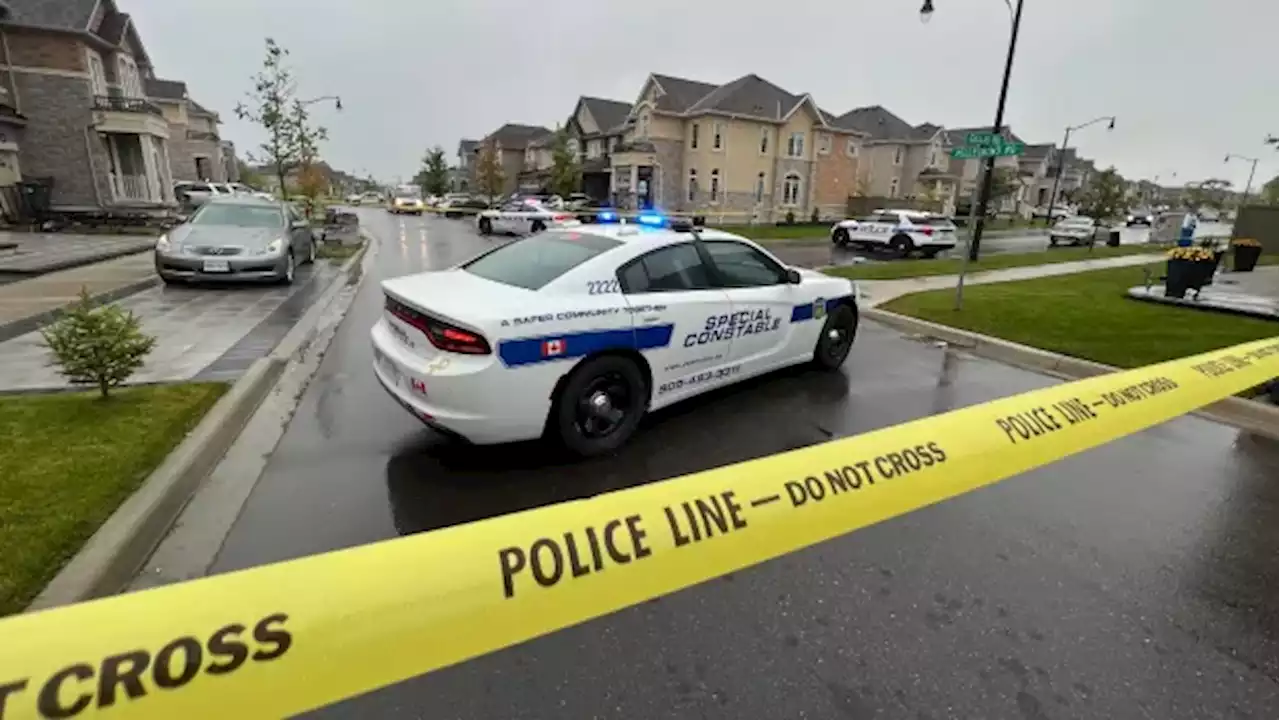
{"x": 148, "y": 149}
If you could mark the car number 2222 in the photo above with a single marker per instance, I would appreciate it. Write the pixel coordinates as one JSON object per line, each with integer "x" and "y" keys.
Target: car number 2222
{"x": 602, "y": 287}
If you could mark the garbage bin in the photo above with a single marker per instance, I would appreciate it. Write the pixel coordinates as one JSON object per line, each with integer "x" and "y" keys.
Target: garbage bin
{"x": 37, "y": 196}
{"x": 1113, "y": 237}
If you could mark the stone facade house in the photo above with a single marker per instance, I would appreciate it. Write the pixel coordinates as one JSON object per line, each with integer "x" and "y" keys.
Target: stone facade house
{"x": 196, "y": 152}
{"x": 745, "y": 151}
{"x": 462, "y": 177}
{"x": 510, "y": 143}
{"x": 74, "y": 69}
{"x": 901, "y": 160}
{"x": 595, "y": 128}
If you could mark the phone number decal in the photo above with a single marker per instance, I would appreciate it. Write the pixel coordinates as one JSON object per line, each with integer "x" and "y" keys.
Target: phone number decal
{"x": 699, "y": 379}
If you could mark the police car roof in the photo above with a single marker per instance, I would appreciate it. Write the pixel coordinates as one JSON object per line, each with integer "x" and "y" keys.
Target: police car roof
{"x": 632, "y": 233}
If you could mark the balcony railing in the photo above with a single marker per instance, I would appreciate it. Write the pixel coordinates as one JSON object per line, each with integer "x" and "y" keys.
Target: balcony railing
{"x": 202, "y": 135}
{"x": 134, "y": 188}
{"x": 124, "y": 104}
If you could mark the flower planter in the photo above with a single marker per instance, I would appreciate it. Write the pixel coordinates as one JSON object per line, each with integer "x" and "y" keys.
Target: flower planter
{"x": 1245, "y": 257}
{"x": 1184, "y": 275}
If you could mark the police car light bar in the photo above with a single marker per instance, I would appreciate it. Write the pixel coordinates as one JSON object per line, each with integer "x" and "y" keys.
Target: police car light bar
{"x": 652, "y": 220}
{"x": 606, "y": 216}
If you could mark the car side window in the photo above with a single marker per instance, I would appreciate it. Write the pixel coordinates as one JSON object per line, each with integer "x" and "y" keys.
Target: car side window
{"x": 741, "y": 265}
{"x": 674, "y": 268}
{"x": 513, "y": 207}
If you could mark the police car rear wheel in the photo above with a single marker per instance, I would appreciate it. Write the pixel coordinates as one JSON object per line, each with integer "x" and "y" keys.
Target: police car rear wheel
{"x": 486, "y": 227}
{"x": 600, "y": 405}
{"x": 841, "y": 237}
{"x": 537, "y": 226}
{"x": 836, "y": 338}
{"x": 901, "y": 246}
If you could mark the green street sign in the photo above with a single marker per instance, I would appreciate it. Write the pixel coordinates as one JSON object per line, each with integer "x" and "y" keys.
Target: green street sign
{"x": 1004, "y": 149}
{"x": 983, "y": 139}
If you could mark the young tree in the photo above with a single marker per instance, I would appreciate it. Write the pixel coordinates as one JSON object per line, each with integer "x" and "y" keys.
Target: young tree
{"x": 433, "y": 178}
{"x": 489, "y": 174}
{"x": 306, "y": 139}
{"x": 99, "y": 346}
{"x": 269, "y": 104}
{"x": 1209, "y": 193}
{"x": 566, "y": 172}
{"x": 1105, "y": 196}
{"x": 250, "y": 176}
{"x": 1271, "y": 191}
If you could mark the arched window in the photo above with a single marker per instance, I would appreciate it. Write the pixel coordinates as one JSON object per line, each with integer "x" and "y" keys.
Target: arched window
{"x": 791, "y": 189}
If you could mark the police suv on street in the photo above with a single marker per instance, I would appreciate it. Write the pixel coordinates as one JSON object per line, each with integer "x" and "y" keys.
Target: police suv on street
{"x": 576, "y": 333}
{"x": 522, "y": 216}
{"x": 902, "y": 231}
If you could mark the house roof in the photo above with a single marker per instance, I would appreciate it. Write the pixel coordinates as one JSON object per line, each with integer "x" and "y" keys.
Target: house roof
{"x": 876, "y": 122}
{"x": 748, "y": 95}
{"x": 608, "y": 114}
{"x": 199, "y": 109}
{"x": 679, "y": 94}
{"x": 925, "y": 131}
{"x": 58, "y": 14}
{"x": 113, "y": 27}
{"x": 1038, "y": 152}
{"x": 514, "y": 136}
{"x": 466, "y": 147}
{"x": 165, "y": 89}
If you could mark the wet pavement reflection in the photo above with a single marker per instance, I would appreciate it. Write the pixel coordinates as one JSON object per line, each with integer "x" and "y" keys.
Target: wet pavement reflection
{"x": 1134, "y": 580}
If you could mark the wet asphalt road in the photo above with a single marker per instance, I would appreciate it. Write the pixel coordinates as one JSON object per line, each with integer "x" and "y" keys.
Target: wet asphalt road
{"x": 1137, "y": 580}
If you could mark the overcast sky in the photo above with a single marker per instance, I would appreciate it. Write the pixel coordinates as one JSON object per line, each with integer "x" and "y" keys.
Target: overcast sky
{"x": 1190, "y": 80}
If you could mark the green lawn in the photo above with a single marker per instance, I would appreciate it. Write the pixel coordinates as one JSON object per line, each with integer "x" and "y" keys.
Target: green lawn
{"x": 336, "y": 252}
{"x": 69, "y": 460}
{"x": 895, "y": 269}
{"x": 1085, "y": 315}
{"x": 779, "y": 232}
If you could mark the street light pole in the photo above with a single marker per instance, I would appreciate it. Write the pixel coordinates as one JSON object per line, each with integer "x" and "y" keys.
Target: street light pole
{"x": 1253, "y": 167}
{"x": 337, "y": 101}
{"x": 984, "y": 195}
{"x": 1057, "y": 173}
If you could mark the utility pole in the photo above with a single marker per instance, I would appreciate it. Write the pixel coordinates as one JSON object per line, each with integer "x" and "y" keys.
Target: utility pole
{"x": 1253, "y": 167}
{"x": 1057, "y": 173}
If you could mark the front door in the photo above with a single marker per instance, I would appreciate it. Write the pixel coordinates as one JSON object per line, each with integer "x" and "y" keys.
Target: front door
{"x": 762, "y": 302}
{"x": 679, "y": 319}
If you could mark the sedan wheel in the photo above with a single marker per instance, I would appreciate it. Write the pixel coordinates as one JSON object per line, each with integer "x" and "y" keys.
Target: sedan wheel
{"x": 840, "y": 237}
{"x": 837, "y": 338}
{"x": 599, "y": 406}
{"x": 290, "y": 268}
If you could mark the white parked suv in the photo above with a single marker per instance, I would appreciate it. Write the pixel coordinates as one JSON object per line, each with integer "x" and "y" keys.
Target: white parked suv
{"x": 902, "y": 231}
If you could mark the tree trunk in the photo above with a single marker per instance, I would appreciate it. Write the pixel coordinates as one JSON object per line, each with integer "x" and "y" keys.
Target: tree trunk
{"x": 103, "y": 387}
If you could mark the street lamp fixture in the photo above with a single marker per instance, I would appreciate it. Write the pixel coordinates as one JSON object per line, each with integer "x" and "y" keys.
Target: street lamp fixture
{"x": 1057, "y": 173}
{"x": 926, "y": 11}
{"x": 337, "y": 101}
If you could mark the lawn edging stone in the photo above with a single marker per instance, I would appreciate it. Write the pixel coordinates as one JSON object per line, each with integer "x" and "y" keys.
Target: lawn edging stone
{"x": 1255, "y": 417}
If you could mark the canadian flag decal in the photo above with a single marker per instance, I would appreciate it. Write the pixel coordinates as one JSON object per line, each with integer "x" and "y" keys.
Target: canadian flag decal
{"x": 551, "y": 348}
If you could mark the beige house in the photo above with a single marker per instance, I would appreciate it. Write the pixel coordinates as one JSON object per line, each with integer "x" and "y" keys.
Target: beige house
{"x": 196, "y": 151}
{"x": 900, "y": 160}
{"x": 510, "y": 142}
{"x": 746, "y": 150}
{"x": 595, "y": 128}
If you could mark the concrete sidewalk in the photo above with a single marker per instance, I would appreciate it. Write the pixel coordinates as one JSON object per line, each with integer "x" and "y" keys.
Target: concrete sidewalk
{"x": 27, "y": 304}
{"x": 878, "y": 292}
{"x": 39, "y": 253}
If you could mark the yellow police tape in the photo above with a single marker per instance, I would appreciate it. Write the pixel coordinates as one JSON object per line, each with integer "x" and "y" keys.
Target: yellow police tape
{"x": 284, "y": 638}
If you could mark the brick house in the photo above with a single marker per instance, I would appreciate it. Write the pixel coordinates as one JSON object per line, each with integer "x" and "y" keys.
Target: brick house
{"x": 196, "y": 152}
{"x": 746, "y": 150}
{"x": 595, "y": 128}
{"x": 510, "y": 143}
{"x": 75, "y": 70}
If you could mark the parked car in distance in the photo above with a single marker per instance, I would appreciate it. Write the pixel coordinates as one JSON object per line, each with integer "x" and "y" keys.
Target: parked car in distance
{"x": 236, "y": 238}
{"x": 468, "y": 205}
{"x": 902, "y": 231}
{"x": 1139, "y": 217}
{"x": 406, "y": 200}
{"x": 354, "y": 199}
{"x": 196, "y": 193}
{"x": 1078, "y": 230}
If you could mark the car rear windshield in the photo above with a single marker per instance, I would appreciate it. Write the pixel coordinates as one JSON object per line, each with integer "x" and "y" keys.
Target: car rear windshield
{"x": 245, "y": 216}
{"x": 535, "y": 261}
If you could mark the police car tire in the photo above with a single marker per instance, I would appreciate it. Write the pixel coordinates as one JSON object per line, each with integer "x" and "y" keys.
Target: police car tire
{"x": 844, "y": 317}
{"x": 563, "y": 421}
{"x": 537, "y": 226}
{"x": 901, "y": 245}
{"x": 486, "y": 227}
{"x": 840, "y": 237}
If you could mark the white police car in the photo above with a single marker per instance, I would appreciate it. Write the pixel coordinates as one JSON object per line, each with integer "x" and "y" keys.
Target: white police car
{"x": 576, "y": 333}
{"x": 902, "y": 231}
{"x": 522, "y": 217}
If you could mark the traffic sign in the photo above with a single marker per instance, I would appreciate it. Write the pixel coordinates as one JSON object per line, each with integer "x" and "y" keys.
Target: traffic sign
{"x": 1004, "y": 149}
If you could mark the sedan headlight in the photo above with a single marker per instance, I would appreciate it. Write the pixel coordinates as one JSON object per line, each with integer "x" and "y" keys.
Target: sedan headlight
{"x": 274, "y": 246}
{"x": 162, "y": 244}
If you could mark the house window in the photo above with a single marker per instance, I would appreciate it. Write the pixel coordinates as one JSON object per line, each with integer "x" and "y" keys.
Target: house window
{"x": 693, "y": 186}
{"x": 893, "y": 187}
{"x": 97, "y": 74}
{"x": 851, "y": 147}
{"x": 128, "y": 71}
{"x": 573, "y": 147}
{"x": 897, "y": 155}
{"x": 824, "y": 143}
{"x": 693, "y": 137}
{"x": 791, "y": 189}
{"x": 644, "y": 124}
{"x": 717, "y": 136}
{"x": 795, "y": 145}
{"x": 760, "y": 187}
{"x": 764, "y": 141}
{"x": 593, "y": 148}
{"x": 715, "y": 185}
{"x": 933, "y": 157}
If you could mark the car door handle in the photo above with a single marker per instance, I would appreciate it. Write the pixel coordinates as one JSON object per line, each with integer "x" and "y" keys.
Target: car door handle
{"x": 650, "y": 319}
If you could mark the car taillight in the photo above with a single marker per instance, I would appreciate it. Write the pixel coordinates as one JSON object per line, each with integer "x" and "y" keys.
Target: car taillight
{"x": 441, "y": 334}
{"x": 561, "y": 218}
{"x": 926, "y": 231}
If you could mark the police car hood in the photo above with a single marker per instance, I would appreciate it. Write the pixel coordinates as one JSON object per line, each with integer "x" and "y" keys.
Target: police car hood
{"x": 461, "y": 297}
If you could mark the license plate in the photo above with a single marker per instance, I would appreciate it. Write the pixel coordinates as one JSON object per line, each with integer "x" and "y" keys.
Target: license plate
{"x": 217, "y": 266}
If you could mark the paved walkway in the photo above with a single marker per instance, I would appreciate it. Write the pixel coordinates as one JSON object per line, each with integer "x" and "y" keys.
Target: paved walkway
{"x": 39, "y": 253}
{"x": 877, "y": 292}
{"x": 38, "y": 295}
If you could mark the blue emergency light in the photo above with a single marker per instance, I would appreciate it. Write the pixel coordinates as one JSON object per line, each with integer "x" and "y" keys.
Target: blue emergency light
{"x": 606, "y": 216}
{"x": 651, "y": 220}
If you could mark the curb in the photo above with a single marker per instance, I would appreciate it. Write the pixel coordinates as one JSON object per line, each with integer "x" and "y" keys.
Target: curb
{"x": 121, "y": 547}
{"x": 77, "y": 262}
{"x": 1255, "y": 417}
{"x": 25, "y": 325}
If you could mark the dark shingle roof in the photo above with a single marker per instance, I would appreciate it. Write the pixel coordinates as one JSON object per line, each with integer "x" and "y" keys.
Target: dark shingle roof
{"x": 877, "y": 122}
{"x": 165, "y": 89}
{"x": 113, "y": 27}
{"x": 748, "y": 95}
{"x": 61, "y": 14}
{"x": 199, "y": 109}
{"x": 514, "y": 136}
{"x": 466, "y": 147}
{"x": 678, "y": 94}
{"x": 608, "y": 114}
{"x": 924, "y": 131}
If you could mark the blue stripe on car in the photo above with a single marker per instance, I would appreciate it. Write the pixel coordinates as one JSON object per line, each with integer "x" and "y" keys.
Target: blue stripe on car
{"x": 801, "y": 313}
{"x": 529, "y": 351}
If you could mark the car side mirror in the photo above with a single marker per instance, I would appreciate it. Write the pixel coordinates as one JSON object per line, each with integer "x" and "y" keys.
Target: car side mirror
{"x": 793, "y": 276}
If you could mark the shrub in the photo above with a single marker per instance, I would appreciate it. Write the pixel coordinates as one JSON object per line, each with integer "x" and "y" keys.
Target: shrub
{"x": 100, "y": 346}
{"x": 791, "y": 217}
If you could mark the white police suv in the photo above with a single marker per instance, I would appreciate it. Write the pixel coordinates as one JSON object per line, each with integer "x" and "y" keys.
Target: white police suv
{"x": 576, "y": 333}
{"x": 522, "y": 217}
{"x": 902, "y": 231}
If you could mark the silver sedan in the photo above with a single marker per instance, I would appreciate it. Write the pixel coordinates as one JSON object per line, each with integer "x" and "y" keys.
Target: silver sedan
{"x": 236, "y": 238}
